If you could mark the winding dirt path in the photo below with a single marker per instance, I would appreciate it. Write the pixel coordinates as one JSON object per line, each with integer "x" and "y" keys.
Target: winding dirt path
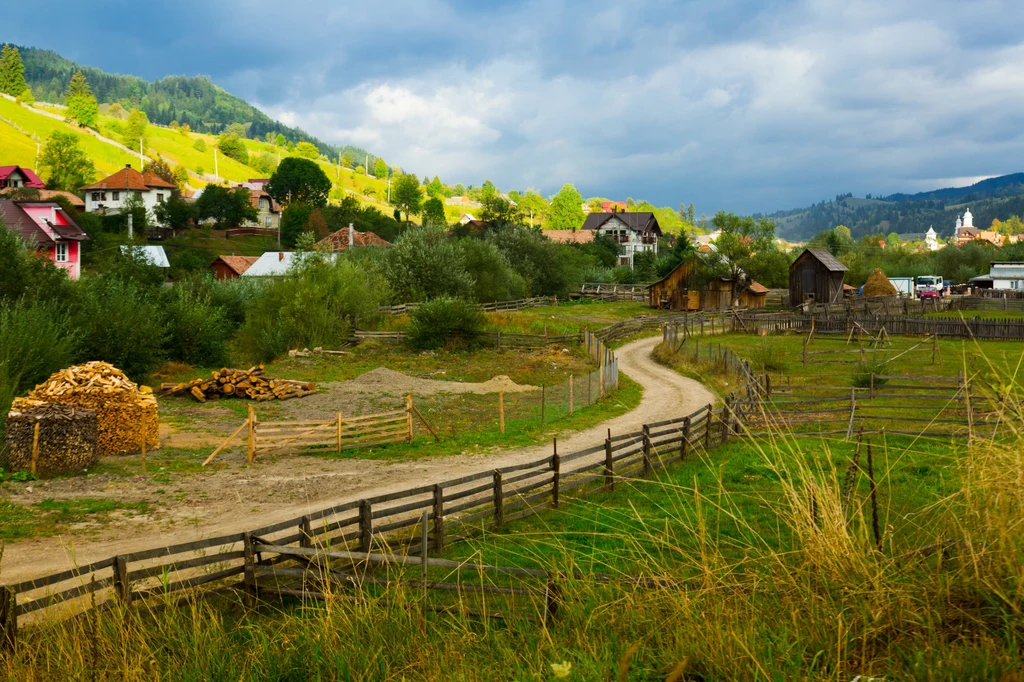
{"x": 231, "y": 500}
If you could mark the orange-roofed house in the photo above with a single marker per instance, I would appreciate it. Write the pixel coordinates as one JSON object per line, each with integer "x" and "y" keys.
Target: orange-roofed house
{"x": 231, "y": 267}
{"x": 349, "y": 237}
{"x": 110, "y": 193}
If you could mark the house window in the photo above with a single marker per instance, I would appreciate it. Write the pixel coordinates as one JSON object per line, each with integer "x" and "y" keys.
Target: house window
{"x": 115, "y": 196}
{"x": 61, "y": 252}
{"x": 267, "y": 220}
{"x": 96, "y": 196}
{"x": 264, "y": 204}
{"x": 159, "y": 198}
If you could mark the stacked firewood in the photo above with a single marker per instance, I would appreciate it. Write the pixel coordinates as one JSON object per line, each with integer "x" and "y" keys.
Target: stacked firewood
{"x": 126, "y": 413}
{"x": 66, "y": 440}
{"x": 240, "y": 383}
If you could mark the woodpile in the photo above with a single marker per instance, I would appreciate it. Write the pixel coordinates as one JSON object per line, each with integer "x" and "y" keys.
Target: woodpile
{"x": 240, "y": 383}
{"x": 66, "y": 441}
{"x": 126, "y": 413}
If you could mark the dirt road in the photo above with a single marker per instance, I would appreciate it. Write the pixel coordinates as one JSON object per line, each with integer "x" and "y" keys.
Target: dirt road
{"x": 233, "y": 500}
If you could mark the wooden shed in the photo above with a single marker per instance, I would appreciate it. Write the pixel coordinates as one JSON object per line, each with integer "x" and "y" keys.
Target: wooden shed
{"x": 685, "y": 289}
{"x": 816, "y": 275}
{"x": 231, "y": 267}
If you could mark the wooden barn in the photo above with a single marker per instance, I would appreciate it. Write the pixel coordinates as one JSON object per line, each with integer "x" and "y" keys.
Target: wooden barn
{"x": 685, "y": 289}
{"x": 816, "y": 276}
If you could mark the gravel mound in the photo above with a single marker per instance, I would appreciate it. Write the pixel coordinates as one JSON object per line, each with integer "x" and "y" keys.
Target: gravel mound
{"x": 383, "y": 380}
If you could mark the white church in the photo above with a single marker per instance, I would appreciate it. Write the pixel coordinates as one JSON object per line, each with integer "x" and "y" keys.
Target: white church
{"x": 965, "y": 230}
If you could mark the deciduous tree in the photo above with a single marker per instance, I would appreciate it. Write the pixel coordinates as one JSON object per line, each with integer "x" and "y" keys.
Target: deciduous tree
{"x": 228, "y": 207}
{"x": 380, "y": 168}
{"x": 64, "y": 164}
{"x": 406, "y": 195}
{"x": 433, "y": 213}
{"x": 299, "y": 180}
{"x": 307, "y": 150}
{"x": 566, "y": 209}
{"x": 135, "y": 129}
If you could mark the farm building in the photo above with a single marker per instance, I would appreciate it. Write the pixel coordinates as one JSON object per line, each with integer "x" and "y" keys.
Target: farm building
{"x": 348, "y": 238}
{"x": 634, "y": 232}
{"x": 816, "y": 275}
{"x": 231, "y": 267}
{"x": 687, "y": 288}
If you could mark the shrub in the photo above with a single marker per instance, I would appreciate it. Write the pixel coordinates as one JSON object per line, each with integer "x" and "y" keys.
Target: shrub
{"x": 315, "y": 304}
{"x": 197, "y": 329}
{"x": 425, "y": 264}
{"x": 23, "y": 274}
{"x": 549, "y": 269}
{"x": 493, "y": 276}
{"x": 862, "y": 376}
{"x": 445, "y": 321}
{"x": 121, "y": 322}
{"x": 767, "y": 355}
{"x": 35, "y": 342}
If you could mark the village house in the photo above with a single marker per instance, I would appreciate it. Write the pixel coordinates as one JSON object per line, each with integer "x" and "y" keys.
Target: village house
{"x": 816, "y": 275}
{"x": 46, "y": 227}
{"x": 965, "y": 232}
{"x": 111, "y": 193}
{"x": 1003, "y": 275}
{"x": 231, "y": 267}
{"x": 16, "y": 176}
{"x": 691, "y": 286}
{"x": 635, "y": 232}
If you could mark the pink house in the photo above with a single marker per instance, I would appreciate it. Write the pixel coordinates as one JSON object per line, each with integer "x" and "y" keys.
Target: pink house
{"x": 48, "y": 229}
{"x": 16, "y": 176}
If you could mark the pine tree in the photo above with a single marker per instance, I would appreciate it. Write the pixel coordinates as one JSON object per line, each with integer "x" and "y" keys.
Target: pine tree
{"x": 82, "y": 105}
{"x": 12, "y": 72}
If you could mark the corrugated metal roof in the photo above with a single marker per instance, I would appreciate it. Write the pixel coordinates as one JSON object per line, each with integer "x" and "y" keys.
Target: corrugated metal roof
{"x": 1007, "y": 271}
{"x": 827, "y": 259}
{"x": 275, "y": 264}
{"x": 154, "y": 254}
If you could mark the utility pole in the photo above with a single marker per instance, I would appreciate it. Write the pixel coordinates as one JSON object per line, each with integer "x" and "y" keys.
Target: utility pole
{"x": 366, "y": 168}
{"x": 37, "y": 157}
{"x": 142, "y": 160}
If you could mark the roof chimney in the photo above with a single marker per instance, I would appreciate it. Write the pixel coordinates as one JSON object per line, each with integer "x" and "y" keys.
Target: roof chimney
{"x": 127, "y": 165}
{"x": 351, "y": 236}
{"x": 280, "y": 255}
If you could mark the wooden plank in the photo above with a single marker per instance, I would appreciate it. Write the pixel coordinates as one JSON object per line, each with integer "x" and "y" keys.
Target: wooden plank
{"x": 45, "y": 581}
{"x": 65, "y": 595}
{"x": 188, "y": 583}
{"x": 183, "y": 547}
{"x": 150, "y": 571}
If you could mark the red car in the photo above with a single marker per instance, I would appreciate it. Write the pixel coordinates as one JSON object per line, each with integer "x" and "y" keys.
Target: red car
{"x": 929, "y": 292}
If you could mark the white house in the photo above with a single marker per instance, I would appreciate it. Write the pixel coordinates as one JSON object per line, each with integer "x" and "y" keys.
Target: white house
{"x": 1007, "y": 275}
{"x": 154, "y": 255}
{"x": 275, "y": 264}
{"x": 635, "y": 232}
{"x": 111, "y": 193}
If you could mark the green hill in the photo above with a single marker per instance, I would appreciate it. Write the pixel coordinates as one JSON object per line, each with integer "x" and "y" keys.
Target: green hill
{"x": 194, "y": 100}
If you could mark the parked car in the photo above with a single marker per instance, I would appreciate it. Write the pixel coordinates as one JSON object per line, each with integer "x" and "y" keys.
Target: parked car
{"x": 928, "y": 292}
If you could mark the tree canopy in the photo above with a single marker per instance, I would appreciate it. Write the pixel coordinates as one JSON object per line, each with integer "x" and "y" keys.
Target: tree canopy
{"x": 82, "y": 105}
{"x": 12, "y": 72}
{"x": 566, "y": 209}
{"x": 228, "y": 207}
{"x": 380, "y": 168}
{"x": 135, "y": 129}
{"x": 406, "y": 195}
{"x": 299, "y": 180}
{"x": 64, "y": 164}
{"x": 307, "y": 150}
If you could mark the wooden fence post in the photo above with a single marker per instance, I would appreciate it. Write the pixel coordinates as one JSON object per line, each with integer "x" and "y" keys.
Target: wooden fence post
{"x": 647, "y": 449}
{"x": 438, "y": 517}
{"x": 570, "y": 395}
{"x": 365, "y": 526}
{"x": 408, "y": 418}
{"x": 8, "y": 620}
{"x": 556, "y": 468}
{"x": 339, "y": 432}
{"x": 684, "y": 443}
{"x": 601, "y": 384}
{"x": 707, "y": 427}
{"x": 501, "y": 411}
{"x": 142, "y": 443}
{"x": 250, "y": 442}
{"x": 122, "y": 588}
{"x": 35, "y": 447}
{"x": 499, "y": 499}
{"x": 552, "y": 594}
{"x": 724, "y": 428}
{"x": 306, "y": 532}
{"x": 609, "y": 465}
{"x": 249, "y": 572}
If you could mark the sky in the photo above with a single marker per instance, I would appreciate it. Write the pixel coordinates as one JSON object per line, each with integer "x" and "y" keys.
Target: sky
{"x": 728, "y": 104}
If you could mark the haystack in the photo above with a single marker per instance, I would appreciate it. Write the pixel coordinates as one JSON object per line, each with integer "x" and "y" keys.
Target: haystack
{"x": 879, "y": 285}
{"x": 126, "y": 413}
{"x": 66, "y": 442}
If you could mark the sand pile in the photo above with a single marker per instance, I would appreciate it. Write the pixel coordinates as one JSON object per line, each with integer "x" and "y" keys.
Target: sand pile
{"x": 879, "y": 285}
{"x": 383, "y": 380}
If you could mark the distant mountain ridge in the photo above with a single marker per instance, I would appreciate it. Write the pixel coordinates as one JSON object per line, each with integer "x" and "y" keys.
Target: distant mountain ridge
{"x": 998, "y": 197}
{"x": 194, "y": 100}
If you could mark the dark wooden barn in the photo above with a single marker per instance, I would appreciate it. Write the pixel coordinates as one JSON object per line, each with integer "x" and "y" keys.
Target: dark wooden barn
{"x": 816, "y": 275}
{"x": 686, "y": 289}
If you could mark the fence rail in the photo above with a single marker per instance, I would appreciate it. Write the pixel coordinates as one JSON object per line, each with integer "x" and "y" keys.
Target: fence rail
{"x": 498, "y": 306}
{"x": 893, "y": 325}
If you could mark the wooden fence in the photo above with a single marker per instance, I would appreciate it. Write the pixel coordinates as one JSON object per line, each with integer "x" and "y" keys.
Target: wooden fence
{"x": 498, "y": 306}
{"x": 251, "y": 231}
{"x": 883, "y": 305}
{"x": 613, "y": 292}
{"x": 358, "y": 530}
{"x": 946, "y": 328}
{"x": 499, "y": 339}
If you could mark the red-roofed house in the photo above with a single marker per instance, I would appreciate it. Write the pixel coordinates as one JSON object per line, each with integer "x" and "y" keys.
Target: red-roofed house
{"x": 231, "y": 267}
{"x": 348, "y": 237}
{"x": 48, "y": 229}
{"x": 110, "y": 193}
{"x": 16, "y": 176}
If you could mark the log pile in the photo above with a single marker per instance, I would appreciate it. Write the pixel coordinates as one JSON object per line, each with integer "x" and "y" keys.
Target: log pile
{"x": 126, "y": 413}
{"x": 67, "y": 438}
{"x": 240, "y": 383}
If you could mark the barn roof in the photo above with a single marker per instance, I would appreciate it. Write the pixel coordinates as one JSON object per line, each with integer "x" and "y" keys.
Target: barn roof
{"x": 757, "y": 288}
{"x": 823, "y": 256}
{"x": 238, "y": 264}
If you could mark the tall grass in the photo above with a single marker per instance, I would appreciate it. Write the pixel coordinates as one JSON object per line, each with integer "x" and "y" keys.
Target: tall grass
{"x": 786, "y": 582}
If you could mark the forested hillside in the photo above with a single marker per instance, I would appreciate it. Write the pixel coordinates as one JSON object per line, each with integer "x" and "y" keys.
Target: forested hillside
{"x": 192, "y": 100}
{"x": 994, "y": 198}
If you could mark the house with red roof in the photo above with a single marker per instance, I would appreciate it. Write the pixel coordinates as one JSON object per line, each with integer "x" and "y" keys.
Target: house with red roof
{"x": 349, "y": 238}
{"x": 231, "y": 267}
{"x": 110, "y": 193}
{"x": 16, "y": 176}
{"x": 49, "y": 230}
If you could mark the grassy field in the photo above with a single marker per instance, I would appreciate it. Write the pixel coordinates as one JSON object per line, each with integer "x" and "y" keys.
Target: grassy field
{"x": 50, "y": 517}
